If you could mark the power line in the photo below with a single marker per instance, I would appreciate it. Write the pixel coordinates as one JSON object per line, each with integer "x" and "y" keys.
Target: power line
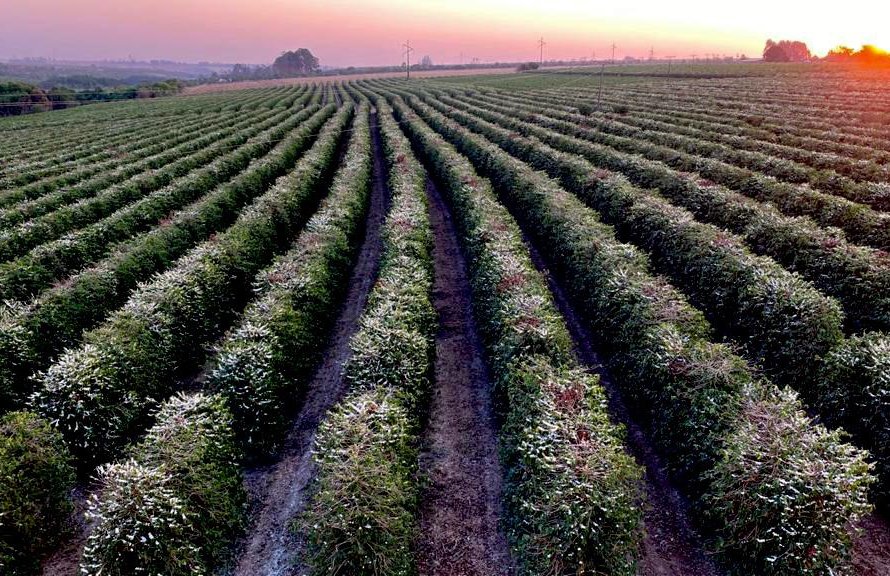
{"x": 407, "y": 54}
{"x": 541, "y": 45}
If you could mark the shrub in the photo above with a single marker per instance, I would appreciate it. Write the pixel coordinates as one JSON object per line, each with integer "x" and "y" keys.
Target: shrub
{"x": 572, "y": 491}
{"x": 853, "y": 391}
{"x": 809, "y": 533}
{"x": 36, "y": 479}
{"x": 136, "y": 501}
{"x": 174, "y": 506}
{"x": 362, "y": 513}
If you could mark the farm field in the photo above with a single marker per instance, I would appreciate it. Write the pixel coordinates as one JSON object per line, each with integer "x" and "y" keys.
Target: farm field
{"x": 588, "y": 321}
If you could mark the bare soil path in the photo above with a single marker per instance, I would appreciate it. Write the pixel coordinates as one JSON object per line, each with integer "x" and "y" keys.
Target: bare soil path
{"x": 65, "y": 560}
{"x": 460, "y": 509}
{"x": 277, "y": 492}
{"x": 671, "y": 546}
{"x": 871, "y": 551}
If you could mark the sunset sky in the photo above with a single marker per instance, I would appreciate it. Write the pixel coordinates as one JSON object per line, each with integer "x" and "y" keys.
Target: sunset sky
{"x": 370, "y": 32}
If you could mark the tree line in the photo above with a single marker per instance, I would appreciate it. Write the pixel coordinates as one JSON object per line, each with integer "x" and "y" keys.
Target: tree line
{"x": 796, "y": 51}
{"x": 18, "y": 98}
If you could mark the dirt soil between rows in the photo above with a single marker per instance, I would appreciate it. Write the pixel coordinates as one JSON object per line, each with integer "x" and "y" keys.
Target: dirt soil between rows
{"x": 65, "y": 561}
{"x": 871, "y": 551}
{"x": 460, "y": 511}
{"x": 277, "y": 492}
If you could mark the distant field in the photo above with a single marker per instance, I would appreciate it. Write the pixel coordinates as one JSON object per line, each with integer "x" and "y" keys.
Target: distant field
{"x": 222, "y": 87}
{"x": 576, "y": 321}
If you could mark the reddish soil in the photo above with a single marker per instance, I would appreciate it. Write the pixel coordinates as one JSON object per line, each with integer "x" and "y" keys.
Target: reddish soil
{"x": 65, "y": 561}
{"x": 871, "y": 551}
{"x": 671, "y": 546}
{"x": 460, "y": 508}
{"x": 277, "y": 492}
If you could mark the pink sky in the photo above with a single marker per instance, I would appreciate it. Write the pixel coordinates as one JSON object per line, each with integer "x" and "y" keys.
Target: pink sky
{"x": 357, "y": 32}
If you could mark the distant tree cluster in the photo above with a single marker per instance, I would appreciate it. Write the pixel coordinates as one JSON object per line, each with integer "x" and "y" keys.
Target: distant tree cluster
{"x": 868, "y": 55}
{"x": 527, "y": 67}
{"x": 290, "y": 64}
{"x": 299, "y": 62}
{"x": 21, "y": 98}
{"x": 786, "y": 51}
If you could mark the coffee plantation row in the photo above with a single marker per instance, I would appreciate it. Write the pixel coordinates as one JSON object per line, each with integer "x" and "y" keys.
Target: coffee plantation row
{"x": 174, "y": 270}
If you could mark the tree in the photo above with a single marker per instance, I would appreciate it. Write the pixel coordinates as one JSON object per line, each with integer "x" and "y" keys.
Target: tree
{"x": 527, "y": 67}
{"x": 426, "y": 63}
{"x": 772, "y": 52}
{"x": 786, "y": 51}
{"x": 840, "y": 54}
{"x": 20, "y": 98}
{"x": 868, "y": 55}
{"x": 300, "y": 62}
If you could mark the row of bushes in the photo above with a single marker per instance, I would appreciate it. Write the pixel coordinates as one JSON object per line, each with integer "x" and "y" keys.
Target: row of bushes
{"x": 862, "y": 224}
{"x": 858, "y": 277}
{"x": 855, "y": 180}
{"x": 767, "y": 130}
{"x": 101, "y": 393}
{"x": 27, "y": 275}
{"x": 35, "y": 149}
{"x": 733, "y": 151}
{"x": 775, "y": 493}
{"x": 74, "y": 157}
{"x": 34, "y": 499}
{"x": 81, "y": 159}
{"x": 361, "y": 517}
{"x": 779, "y": 319}
{"x": 31, "y": 336}
{"x": 562, "y": 519}
{"x": 166, "y": 152}
{"x": 264, "y": 364}
{"x": 819, "y": 114}
{"x": 18, "y": 240}
{"x": 37, "y": 479}
{"x": 48, "y": 194}
{"x": 261, "y": 365}
{"x": 791, "y": 127}
{"x": 856, "y": 168}
{"x": 11, "y": 194}
{"x": 176, "y": 502}
{"x": 89, "y": 152}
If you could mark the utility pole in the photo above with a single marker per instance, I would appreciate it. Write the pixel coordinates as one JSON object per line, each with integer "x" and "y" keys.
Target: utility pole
{"x": 407, "y": 54}
{"x": 541, "y": 45}
{"x": 652, "y": 53}
{"x": 599, "y": 98}
{"x": 613, "y": 53}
